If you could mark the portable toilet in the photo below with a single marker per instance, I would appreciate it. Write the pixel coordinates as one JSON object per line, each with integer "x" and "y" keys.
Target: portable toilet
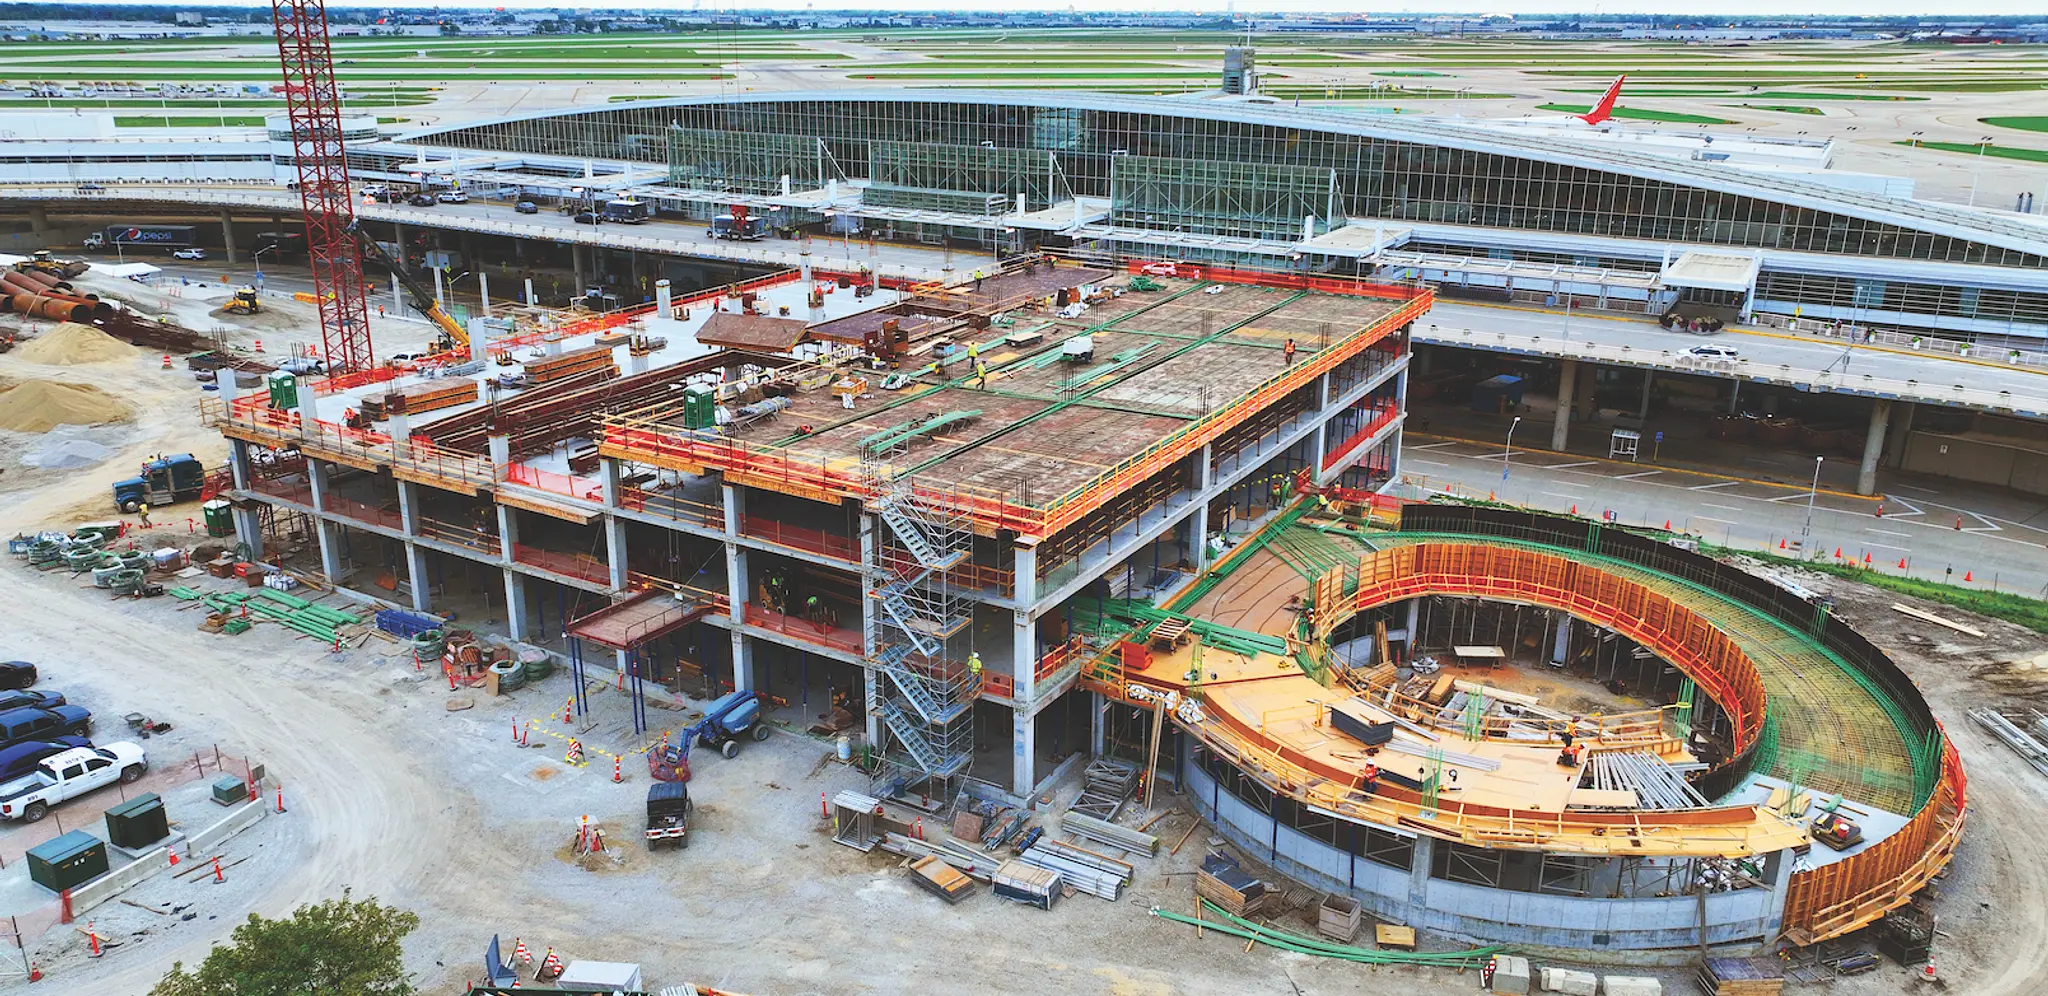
{"x": 67, "y": 862}
{"x": 700, "y": 408}
{"x": 284, "y": 390}
{"x": 219, "y": 516}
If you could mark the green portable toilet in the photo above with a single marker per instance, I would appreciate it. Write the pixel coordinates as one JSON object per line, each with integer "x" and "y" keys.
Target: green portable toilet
{"x": 284, "y": 390}
{"x": 220, "y": 517}
{"x": 138, "y": 823}
{"x": 700, "y": 408}
{"x": 68, "y": 861}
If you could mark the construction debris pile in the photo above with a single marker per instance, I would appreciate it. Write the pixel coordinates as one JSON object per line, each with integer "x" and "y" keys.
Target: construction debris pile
{"x": 87, "y": 552}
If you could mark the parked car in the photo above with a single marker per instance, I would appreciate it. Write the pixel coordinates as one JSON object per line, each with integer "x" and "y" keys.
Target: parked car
{"x": 1714, "y": 352}
{"x": 22, "y": 758}
{"x": 68, "y": 775}
{"x": 189, "y": 252}
{"x": 421, "y": 200}
{"x": 26, "y": 699}
{"x": 303, "y": 365}
{"x": 90, "y": 188}
{"x": 588, "y": 218}
{"x": 17, "y": 674}
{"x": 454, "y": 197}
{"x": 18, "y": 725}
{"x": 526, "y": 207}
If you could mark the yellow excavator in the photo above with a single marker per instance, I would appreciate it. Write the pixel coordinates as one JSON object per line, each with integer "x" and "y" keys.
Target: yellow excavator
{"x": 453, "y": 335}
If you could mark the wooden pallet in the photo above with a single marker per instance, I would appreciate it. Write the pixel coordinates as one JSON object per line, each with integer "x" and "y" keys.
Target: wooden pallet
{"x": 1741, "y": 977}
{"x": 548, "y": 369}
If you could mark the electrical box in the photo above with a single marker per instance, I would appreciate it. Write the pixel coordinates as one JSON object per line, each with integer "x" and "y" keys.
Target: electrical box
{"x": 284, "y": 391}
{"x": 68, "y": 861}
{"x": 138, "y": 823}
{"x": 229, "y": 790}
{"x": 700, "y": 408}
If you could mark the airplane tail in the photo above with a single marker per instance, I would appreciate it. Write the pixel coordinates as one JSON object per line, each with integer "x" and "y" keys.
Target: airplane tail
{"x": 1605, "y": 108}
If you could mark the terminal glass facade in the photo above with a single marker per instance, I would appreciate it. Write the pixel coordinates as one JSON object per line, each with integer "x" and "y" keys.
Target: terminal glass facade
{"x": 1376, "y": 178}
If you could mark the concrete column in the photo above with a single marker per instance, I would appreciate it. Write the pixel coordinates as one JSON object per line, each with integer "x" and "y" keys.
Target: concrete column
{"x": 739, "y": 589}
{"x": 615, "y": 550}
{"x": 1418, "y": 871}
{"x": 483, "y": 290}
{"x": 416, "y": 572}
{"x": 610, "y": 478}
{"x": 238, "y": 463}
{"x": 316, "y": 478}
{"x": 508, "y": 532}
{"x": 329, "y": 535}
{"x": 1873, "y": 447}
{"x": 1098, "y": 722}
{"x": 515, "y": 604}
{"x": 735, "y": 508}
{"x": 1319, "y": 442}
{"x": 576, "y": 254}
{"x": 397, "y": 298}
{"x": 1024, "y": 751}
{"x": 398, "y": 233}
{"x": 1026, "y": 571}
{"x": 39, "y": 221}
{"x": 1023, "y": 659}
{"x": 1901, "y": 433}
{"x": 249, "y": 529}
{"x": 871, "y": 684}
{"x": 664, "y": 299}
{"x": 1567, "y": 383}
{"x": 1198, "y": 535}
{"x": 1414, "y": 621}
{"x": 409, "y": 508}
{"x": 1649, "y": 376}
{"x": 227, "y": 235}
{"x": 871, "y": 697}
{"x": 1561, "y": 649}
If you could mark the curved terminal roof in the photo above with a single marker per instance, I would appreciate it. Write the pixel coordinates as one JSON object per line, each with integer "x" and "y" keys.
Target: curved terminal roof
{"x": 1992, "y": 228}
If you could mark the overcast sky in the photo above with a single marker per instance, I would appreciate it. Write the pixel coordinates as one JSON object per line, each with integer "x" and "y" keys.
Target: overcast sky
{"x": 1877, "y": 8}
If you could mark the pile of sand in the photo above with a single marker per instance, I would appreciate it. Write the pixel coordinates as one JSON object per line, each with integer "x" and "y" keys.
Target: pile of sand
{"x": 71, "y": 343}
{"x": 42, "y": 405}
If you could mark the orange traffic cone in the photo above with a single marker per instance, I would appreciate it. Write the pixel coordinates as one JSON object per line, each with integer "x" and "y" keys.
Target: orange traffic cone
{"x": 519, "y": 952}
{"x": 1575, "y": 508}
{"x": 1667, "y": 525}
{"x": 92, "y": 940}
{"x": 1866, "y": 558}
{"x": 217, "y": 876}
{"x": 1902, "y": 563}
{"x": 259, "y": 345}
{"x": 167, "y": 361}
{"x": 1927, "y": 970}
{"x": 1966, "y": 576}
{"x": 1838, "y": 553}
{"x": 1781, "y": 544}
{"x": 174, "y": 859}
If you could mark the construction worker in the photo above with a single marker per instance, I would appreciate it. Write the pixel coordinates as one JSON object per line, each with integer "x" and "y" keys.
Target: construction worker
{"x": 143, "y": 510}
{"x": 980, "y": 376}
{"x": 1370, "y": 778}
{"x": 811, "y": 608}
{"x": 1290, "y": 351}
{"x": 974, "y": 668}
{"x": 977, "y": 280}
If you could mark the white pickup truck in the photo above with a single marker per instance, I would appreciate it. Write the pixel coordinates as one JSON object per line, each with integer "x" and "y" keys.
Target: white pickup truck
{"x": 68, "y": 775}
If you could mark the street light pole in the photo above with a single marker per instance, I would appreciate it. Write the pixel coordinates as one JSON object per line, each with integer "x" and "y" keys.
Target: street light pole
{"x": 1509, "y": 449}
{"x": 1806, "y": 531}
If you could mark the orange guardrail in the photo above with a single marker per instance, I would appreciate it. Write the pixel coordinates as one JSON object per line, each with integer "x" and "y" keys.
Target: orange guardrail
{"x": 460, "y": 535}
{"x": 1835, "y": 899}
{"x": 575, "y": 565}
{"x": 1383, "y": 415}
{"x": 815, "y": 541}
{"x": 568, "y": 485}
{"x": 845, "y": 640}
{"x": 680, "y": 509}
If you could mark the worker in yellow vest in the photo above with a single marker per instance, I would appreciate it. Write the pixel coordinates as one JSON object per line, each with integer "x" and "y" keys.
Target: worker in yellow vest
{"x": 974, "y": 668}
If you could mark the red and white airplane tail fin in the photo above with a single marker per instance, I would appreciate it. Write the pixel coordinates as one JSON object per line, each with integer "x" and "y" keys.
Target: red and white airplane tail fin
{"x": 1605, "y": 108}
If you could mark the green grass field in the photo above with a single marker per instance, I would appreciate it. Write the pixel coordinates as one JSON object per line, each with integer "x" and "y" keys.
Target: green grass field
{"x": 1639, "y": 114}
{"x": 2021, "y": 123}
{"x": 1994, "y": 151}
{"x": 229, "y": 121}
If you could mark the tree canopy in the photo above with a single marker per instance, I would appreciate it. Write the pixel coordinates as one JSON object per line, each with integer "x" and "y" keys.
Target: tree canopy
{"x": 343, "y": 947}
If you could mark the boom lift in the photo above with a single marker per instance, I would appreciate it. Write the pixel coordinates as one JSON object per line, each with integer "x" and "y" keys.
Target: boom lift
{"x": 453, "y": 335}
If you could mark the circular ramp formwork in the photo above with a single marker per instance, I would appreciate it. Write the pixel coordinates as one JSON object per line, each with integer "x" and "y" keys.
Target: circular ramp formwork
{"x": 1809, "y": 702}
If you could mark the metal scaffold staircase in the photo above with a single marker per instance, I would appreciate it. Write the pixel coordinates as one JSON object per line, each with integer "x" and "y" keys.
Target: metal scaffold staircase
{"x": 926, "y": 693}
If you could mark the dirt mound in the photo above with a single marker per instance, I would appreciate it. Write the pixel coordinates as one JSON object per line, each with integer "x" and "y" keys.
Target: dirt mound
{"x": 42, "y": 405}
{"x": 71, "y": 343}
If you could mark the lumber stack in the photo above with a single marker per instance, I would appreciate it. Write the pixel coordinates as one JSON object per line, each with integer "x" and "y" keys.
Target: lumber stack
{"x": 549, "y": 369}
{"x": 426, "y": 396}
{"x": 1741, "y": 977}
{"x": 941, "y": 879}
{"x": 1230, "y": 887}
{"x": 1104, "y": 832}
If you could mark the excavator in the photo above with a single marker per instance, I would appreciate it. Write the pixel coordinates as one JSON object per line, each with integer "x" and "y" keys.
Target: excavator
{"x": 245, "y": 302}
{"x": 453, "y": 335}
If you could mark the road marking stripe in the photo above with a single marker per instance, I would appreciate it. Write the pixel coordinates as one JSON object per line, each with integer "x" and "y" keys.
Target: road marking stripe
{"x": 1554, "y": 494}
{"x": 1431, "y": 446}
{"x": 1631, "y": 477}
{"x": 1790, "y": 497}
{"x": 1887, "y": 532}
{"x": 1908, "y": 487}
{"x": 1425, "y": 463}
{"x": 1724, "y": 508}
{"x": 1710, "y": 487}
{"x": 1887, "y": 546}
{"x": 1568, "y": 466}
{"x": 1709, "y": 518}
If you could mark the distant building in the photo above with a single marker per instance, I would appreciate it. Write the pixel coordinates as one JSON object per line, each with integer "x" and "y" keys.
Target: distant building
{"x": 191, "y": 18}
{"x": 1239, "y": 74}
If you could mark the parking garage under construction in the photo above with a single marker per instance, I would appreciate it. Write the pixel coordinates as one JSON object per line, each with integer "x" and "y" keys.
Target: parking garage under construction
{"x": 994, "y": 527}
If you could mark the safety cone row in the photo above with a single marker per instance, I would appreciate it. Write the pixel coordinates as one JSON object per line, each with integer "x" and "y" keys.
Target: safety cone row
{"x": 519, "y": 952}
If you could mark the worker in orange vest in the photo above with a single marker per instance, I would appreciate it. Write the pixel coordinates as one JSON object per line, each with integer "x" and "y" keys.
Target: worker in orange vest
{"x": 1371, "y": 778}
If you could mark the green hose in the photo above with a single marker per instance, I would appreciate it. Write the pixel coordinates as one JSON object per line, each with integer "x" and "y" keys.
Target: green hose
{"x": 1303, "y": 944}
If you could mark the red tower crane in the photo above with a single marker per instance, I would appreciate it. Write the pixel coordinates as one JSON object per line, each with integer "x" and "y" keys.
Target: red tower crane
{"x": 314, "y": 102}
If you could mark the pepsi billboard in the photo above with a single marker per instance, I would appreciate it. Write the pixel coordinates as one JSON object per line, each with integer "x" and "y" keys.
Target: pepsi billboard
{"x": 150, "y": 235}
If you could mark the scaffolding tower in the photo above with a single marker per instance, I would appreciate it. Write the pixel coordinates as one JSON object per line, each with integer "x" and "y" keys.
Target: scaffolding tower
{"x": 924, "y": 693}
